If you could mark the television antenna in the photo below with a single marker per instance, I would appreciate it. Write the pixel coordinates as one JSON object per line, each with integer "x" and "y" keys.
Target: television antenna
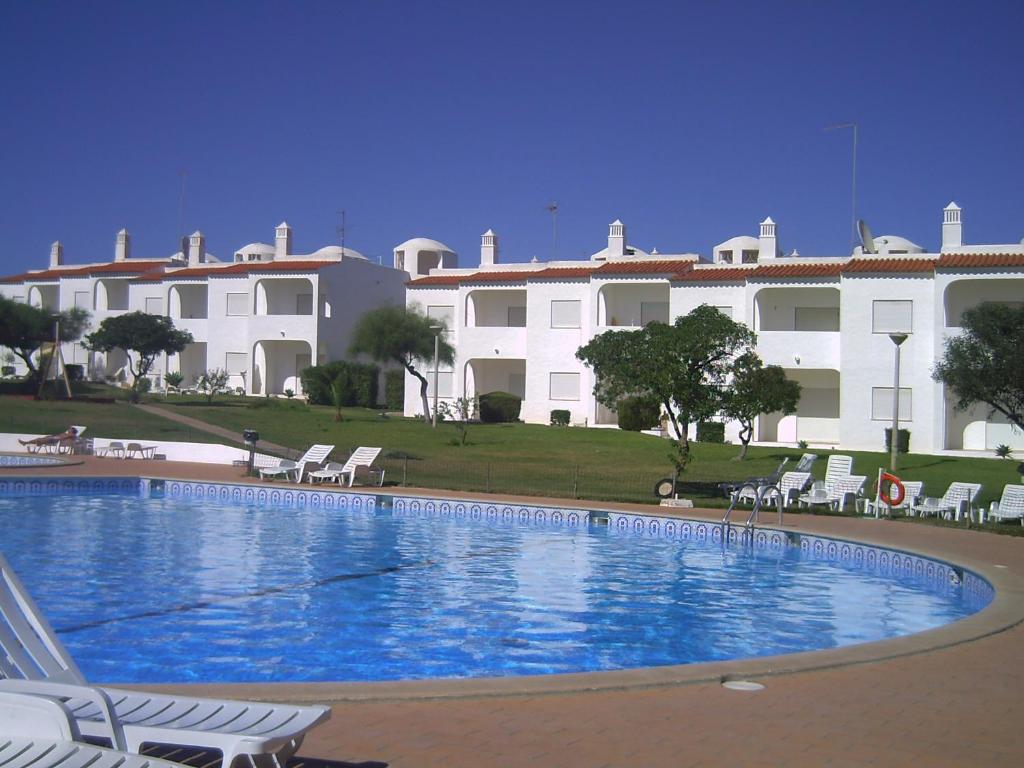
{"x": 552, "y": 208}
{"x": 853, "y": 191}
{"x": 341, "y": 229}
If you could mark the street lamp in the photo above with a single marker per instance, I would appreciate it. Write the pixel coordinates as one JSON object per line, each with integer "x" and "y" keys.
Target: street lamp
{"x": 897, "y": 339}
{"x": 437, "y": 348}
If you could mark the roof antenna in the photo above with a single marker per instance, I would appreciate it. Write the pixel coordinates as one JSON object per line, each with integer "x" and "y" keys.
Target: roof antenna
{"x": 552, "y": 208}
{"x": 341, "y": 230}
{"x": 181, "y": 205}
{"x": 853, "y": 192}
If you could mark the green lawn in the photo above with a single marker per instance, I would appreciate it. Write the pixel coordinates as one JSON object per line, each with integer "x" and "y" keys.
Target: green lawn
{"x": 526, "y": 459}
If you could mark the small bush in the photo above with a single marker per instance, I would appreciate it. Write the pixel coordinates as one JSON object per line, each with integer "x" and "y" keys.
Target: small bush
{"x": 1003, "y": 451}
{"x": 638, "y": 413}
{"x": 499, "y": 407}
{"x": 75, "y": 372}
{"x": 357, "y": 383}
{"x": 394, "y": 390}
{"x": 560, "y": 417}
{"x": 902, "y": 440}
{"x": 710, "y": 432}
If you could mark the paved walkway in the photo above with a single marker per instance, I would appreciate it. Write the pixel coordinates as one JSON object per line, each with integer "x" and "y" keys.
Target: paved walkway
{"x": 950, "y": 697}
{"x": 204, "y": 426}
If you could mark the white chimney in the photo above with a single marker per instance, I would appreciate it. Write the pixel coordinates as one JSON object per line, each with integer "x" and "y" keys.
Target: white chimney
{"x": 488, "y": 249}
{"x": 616, "y": 239}
{"x": 282, "y": 240}
{"x": 767, "y": 243}
{"x": 56, "y": 254}
{"x": 123, "y": 247}
{"x": 196, "y": 249}
{"x": 952, "y": 227}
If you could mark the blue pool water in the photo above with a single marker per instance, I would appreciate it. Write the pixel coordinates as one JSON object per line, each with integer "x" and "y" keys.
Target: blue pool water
{"x": 168, "y": 590}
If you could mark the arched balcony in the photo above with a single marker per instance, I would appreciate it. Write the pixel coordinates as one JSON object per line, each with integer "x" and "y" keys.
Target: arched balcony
{"x": 277, "y": 365}
{"x": 284, "y": 296}
{"x": 111, "y": 295}
{"x": 45, "y": 297}
{"x": 798, "y": 325}
{"x": 187, "y": 301}
{"x": 632, "y": 305}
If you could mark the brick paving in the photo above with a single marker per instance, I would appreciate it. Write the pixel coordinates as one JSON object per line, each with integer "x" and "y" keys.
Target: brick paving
{"x": 950, "y": 697}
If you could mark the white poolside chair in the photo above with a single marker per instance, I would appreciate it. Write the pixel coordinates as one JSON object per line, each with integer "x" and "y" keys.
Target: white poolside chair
{"x": 34, "y": 661}
{"x": 289, "y": 469}
{"x": 329, "y": 474}
{"x": 955, "y": 502}
{"x": 113, "y": 448}
{"x": 838, "y": 467}
{"x": 790, "y": 485}
{"x": 36, "y": 732}
{"x": 912, "y": 490}
{"x": 361, "y": 458}
{"x": 1010, "y": 506}
{"x": 836, "y": 495}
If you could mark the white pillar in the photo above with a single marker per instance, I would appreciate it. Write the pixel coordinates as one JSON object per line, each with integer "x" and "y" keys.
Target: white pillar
{"x": 123, "y": 246}
{"x": 952, "y": 227}
{"x": 767, "y": 242}
{"x": 616, "y": 239}
{"x": 488, "y": 249}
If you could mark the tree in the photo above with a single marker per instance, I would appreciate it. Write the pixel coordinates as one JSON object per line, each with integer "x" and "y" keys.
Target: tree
{"x": 402, "y": 335}
{"x": 212, "y": 381}
{"x": 683, "y": 365}
{"x": 25, "y": 329}
{"x": 756, "y": 389}
{"x": 141, "y": 336}
{"x": 985, "y": 364}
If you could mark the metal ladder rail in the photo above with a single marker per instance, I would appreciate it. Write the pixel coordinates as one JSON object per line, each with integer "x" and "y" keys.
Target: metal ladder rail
{"x": 761, "y": 492}
{"x": 736, "y": 499}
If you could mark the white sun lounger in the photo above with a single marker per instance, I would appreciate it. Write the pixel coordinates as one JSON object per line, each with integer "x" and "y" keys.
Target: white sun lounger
{"x": 361, "y": 457}
{"x": 33, "y": 660}
{"x": 37, "y": 732}
{"x": 1010, "y": 505}
{"x": 289, "y": 469}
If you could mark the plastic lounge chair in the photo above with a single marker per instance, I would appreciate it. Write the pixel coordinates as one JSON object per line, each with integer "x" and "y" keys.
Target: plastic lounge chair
{"x": 287, "y": 468}
{"x": 33, "y": 660}
{"x": 838, "y": 467}
{"x": 1010, "y": 506}
{"x": 37, "y": 732}
{"x": 836, "y": 495}
{"x": 742, "y": 488}
{"x": 329, "y": 474}
{"x": 955, "y": 502}
{"x": 139, "y": 451}
{"x": 114, "y": 448}
{"x": 361, "y": 457}
{"x": 806, "y": 462}
{"x": 912, "y": 490}
{"x": 791, "y": 484}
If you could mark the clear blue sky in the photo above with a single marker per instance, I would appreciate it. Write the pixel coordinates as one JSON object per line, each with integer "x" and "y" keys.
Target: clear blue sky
{"x": 690, "y": 121}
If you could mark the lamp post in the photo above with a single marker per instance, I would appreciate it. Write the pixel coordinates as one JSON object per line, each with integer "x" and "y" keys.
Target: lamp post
{"x": 897, "y": 339}
{"x": 437, "y": 344}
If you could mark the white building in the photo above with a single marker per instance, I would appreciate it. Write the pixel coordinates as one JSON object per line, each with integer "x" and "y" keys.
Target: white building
{"x": 263, "y": 316}
{"x": 826, "y": 321}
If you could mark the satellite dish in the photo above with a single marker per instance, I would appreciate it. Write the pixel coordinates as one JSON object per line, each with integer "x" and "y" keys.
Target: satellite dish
{"x": 866, "y": 241}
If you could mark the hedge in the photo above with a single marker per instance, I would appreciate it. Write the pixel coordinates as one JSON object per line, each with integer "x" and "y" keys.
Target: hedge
{"x": 358, "y": 383}
{"x": 499, "y": 407}
{"x": 638, "y": 413}
{"x": 394, "y": 390}
{"x": 710, "y": 432}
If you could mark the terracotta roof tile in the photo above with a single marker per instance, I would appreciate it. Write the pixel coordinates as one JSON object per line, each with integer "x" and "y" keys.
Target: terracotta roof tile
{"x": 981, "y": 260}
{"x": 775, "y": 271}
{"x": 879, "y": 265}
{"x": 15, "y": 278}
{"x": 644, "y": 267}
{"x": 559, "y": 273}
{"x": 435, "y": 280}
{"x": 716, "y": 275}
{"x": 237, "y": 270}
{"x": 496, "y": 277}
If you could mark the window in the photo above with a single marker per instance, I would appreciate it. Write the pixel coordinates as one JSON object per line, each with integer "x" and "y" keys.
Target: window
{"x": 154, "y": 305}
{"x": 517, "y": 385}
{"x": 444, "y": 313}
{"x": 236, "y": 362}
{"x": 399, "y": 259}
{"x": 892, "y": 316}
{"x": 727, "y": 311}
{"x": 238, "y": 257}
{"x": 22, "y": 299}
{"x": 565, "y": 314}
{"x": 304, "y": 304}
{"x": 517, "y": 317}
{"x": 238, "y": 304}
{"x": 82, "y": 300}
{"x": 725, "y": 257}
{"x": 881, "y": 403}
{"x": 445, "y": 383}
{"x": 816, "y": 318}
{"x": 749, "y": 257}
{"x": 565, "y": 386}
{"x": 653, "y": 312}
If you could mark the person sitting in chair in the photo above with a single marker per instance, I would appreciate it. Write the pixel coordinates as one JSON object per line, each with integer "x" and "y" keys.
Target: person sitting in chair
{"x": 38, "y": 442}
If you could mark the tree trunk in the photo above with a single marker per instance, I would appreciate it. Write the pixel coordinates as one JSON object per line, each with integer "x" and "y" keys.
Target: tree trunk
{"x": 423, "y": 391}
{"x": 746, "y": 433}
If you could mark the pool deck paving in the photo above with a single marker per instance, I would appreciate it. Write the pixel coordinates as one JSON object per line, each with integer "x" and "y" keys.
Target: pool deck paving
{"x": 949, "y": 697}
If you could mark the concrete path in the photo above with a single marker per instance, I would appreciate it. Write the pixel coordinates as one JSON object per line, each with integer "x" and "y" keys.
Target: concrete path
{"x": 233, "y": 438}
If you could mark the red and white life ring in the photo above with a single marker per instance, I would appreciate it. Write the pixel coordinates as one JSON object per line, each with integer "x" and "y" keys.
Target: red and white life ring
{"x": 891, "y": 490}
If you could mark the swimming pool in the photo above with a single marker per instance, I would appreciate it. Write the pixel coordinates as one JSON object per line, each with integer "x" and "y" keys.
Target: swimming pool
{"x": 170, "y": 588}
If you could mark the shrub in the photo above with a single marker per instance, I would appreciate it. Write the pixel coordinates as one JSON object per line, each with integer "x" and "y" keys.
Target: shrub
{"x": 1003, "y": 451}
{"x": 356, "y": 382}
{"x": 75, "y": 372}
{"x": 394, "y": 390}
{"x": 560, "y": 418}
{"x": 902, "y": 440}
{"x": 499, "y": 407}
{"x": 173, "y": 379}
{"x": 710, "y": 432}
{"x": 638, "y": 413}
